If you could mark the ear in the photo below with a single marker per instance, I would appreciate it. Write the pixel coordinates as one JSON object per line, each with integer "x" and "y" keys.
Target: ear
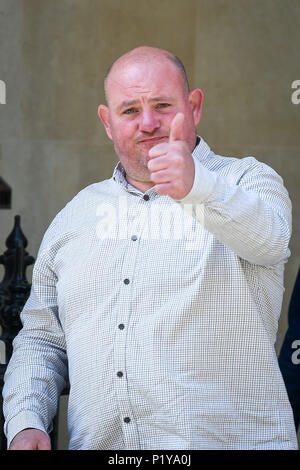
{"x": 104, "y": 115}
{"x": 196, "y": 97}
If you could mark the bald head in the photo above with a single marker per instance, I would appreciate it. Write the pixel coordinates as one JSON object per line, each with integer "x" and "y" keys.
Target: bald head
{"x": 145, "y": 54}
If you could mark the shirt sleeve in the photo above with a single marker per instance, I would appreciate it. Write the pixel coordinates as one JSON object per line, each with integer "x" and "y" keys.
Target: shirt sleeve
{"x": 37, "y": 371}
{"x": 248, "y": 210}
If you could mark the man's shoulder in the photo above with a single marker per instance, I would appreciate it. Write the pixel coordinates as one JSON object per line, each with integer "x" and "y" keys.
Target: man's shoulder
{"x": 235, "y": 166}
{"x": 92, "y": 191}
{"x": 228, "y": 163}
{"x": 78, "y": 210}
{"x": 240, "y": 170}
{"x": 95, "y": 188}
{"x": 86, "y": 197}
{"x": 223, "y": 162}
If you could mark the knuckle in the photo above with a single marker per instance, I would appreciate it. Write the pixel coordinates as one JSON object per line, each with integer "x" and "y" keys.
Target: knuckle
{"x": 178, "y": 160}
{"x": 176, "y": 185}
{"x": 154, "y": 178}
{"x": 150, "y": 165}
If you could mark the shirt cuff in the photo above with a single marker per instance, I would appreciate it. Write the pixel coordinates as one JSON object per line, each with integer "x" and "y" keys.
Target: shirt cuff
{"x": 23, "y": 420}
{"x": 203, "y": 186}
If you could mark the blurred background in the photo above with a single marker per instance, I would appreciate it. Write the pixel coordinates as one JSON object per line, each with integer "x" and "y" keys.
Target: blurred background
{"x": 243, "y": 54}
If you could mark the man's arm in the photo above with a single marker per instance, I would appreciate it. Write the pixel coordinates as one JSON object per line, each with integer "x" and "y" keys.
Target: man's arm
{"x": 251, "y": 215}
{"x": 37, "y": 371}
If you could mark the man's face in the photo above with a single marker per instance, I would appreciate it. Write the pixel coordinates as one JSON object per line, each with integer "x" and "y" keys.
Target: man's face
{"x": 143, "y": 99}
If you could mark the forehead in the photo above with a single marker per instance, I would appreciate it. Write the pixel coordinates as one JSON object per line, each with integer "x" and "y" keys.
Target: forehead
{"x": 143, "y": 79}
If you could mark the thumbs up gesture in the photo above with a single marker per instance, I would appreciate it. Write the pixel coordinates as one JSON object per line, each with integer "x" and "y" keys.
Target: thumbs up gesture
{"x": 171, "y": 164}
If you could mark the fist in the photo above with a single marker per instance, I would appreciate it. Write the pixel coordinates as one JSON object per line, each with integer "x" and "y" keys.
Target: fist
{"x": 30, "y": 439}
{"x": 171, "y": 164}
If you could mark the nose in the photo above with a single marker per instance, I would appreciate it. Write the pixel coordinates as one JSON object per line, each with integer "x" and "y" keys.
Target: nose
{"x": 149, "y": 122}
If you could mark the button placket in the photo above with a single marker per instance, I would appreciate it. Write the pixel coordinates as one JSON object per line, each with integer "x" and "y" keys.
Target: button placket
{"x": 123, "y": 324}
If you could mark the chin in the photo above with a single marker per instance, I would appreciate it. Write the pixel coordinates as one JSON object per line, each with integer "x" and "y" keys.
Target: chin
{"x": 142, "y": 176}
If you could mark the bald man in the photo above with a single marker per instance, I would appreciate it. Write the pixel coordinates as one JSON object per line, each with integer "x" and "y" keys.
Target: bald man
{"x": 157, "y": 292}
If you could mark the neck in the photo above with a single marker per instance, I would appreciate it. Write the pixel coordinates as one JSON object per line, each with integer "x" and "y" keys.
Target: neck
{"x": 140, "y": 185}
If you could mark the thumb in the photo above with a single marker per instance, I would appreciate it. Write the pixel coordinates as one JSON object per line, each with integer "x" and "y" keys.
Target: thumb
{"x": 176, "y": 131}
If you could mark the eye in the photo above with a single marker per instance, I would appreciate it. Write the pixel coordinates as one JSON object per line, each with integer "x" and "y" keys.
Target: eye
{"x": 129, "y": 111}
{"x": 163, "y": 105}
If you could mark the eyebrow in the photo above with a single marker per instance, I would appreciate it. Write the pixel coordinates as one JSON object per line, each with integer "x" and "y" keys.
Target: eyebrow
{"x": 155, "y": 99}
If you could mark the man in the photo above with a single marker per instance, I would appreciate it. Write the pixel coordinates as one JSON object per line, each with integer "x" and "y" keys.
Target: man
{"x": 161, "y": 286}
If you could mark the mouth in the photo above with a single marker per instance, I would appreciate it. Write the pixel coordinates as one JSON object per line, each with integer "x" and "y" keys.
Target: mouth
{"x": 153, "y": 140}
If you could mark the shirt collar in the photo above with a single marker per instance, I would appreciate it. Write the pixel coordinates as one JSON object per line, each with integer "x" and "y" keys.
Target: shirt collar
{"x": 119, "y": 176}
{"x": 201, "y": 152}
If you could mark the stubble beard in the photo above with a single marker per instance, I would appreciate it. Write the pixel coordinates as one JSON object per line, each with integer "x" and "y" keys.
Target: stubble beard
{"x": 137, "y": 169}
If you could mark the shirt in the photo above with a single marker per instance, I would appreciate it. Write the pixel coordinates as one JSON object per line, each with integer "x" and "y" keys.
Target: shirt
{"x": 163, "y": 313}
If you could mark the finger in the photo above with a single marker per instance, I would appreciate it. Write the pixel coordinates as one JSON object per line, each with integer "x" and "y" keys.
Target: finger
{"x": 176, "y": 131}
{"x": 158, "y": 163}
{"x": 163, "y": 188}
{"x": 159, "y": 149}
{"x": 162, "y": 176}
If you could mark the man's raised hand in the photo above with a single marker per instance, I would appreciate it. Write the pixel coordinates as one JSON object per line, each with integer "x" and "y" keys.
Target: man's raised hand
{"x": 171, "y": 164}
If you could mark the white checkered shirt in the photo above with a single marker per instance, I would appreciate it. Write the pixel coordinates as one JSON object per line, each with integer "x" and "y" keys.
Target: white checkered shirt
{"x": 167, "y": 312}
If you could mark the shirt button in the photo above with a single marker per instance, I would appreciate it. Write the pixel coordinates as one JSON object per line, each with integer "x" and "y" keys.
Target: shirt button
{"x": 121, "y": 326}
{"x": 134, "y": 238}
{"x": 126, "y": 281}
{"x": 127, "y": 419}
{"x": 120, "y": 374}
{"x": 146, "y": 197}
